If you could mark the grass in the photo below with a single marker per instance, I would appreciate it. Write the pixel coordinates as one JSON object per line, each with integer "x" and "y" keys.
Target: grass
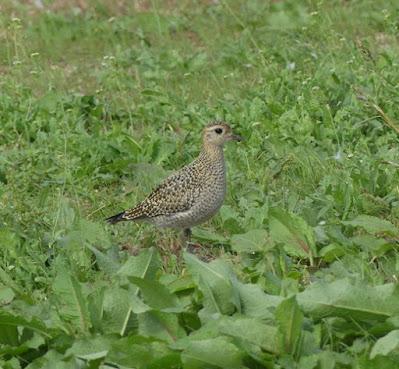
{"x": 99, "y": 101}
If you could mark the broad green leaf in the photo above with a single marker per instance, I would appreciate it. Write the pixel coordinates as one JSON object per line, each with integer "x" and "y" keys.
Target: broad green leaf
{"x": 157, "y": 324}
{"x": 142, "y": 352}
{"x": 376, "y": 246}
{"x": 230, "y": 219}
{"x": 12, "y": 343}
{"x": 208, "y": 330}
{"x": 131, "y": 352}
{"x": 51, "y": 360}
{"x": 214, "y": 281}
{"x": 289, "y": 320}
{"x": 95, "y": 301}
{"x": 252, "y": 330}
{"x": 373, "y": 225}
{"x": 157, "y": 295}
{"x": 296, "y": 236}
{"x": 90, "y": 348}
{"x": 204, "y": 234}
{"x": 117, "y": 310}
{"x": 9, "y": 336}
{"x": 71, "y": 304}
{"x": 379, "y": 362}
{"x": 177, "y": 283}
{"x": 6, "y": 295}
{"x": 137, "y": 305}
{"x": 256, "y": 240}
{"x": 255, "y": 302}
{"x": 6, "y": 279}
{"x": 385, "y": 345}
{"x": 308, "y": 362}
{"x": 144, "y": 265}
{"x": 94, "y": 233}
{"x": 332, "y": 252}
{"x": 352, "y": 301}
{"x": 105, "y": 261}
{"x": 217, "y": 352}
{"x": 8, "y": 319}
{"x": 332, "y": 360}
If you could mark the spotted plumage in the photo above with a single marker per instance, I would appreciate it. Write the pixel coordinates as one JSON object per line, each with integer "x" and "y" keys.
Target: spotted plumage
{"x": 191, "y": 195}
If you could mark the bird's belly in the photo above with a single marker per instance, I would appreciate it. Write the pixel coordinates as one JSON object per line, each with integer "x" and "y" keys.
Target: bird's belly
{"x": 204, "y": 208}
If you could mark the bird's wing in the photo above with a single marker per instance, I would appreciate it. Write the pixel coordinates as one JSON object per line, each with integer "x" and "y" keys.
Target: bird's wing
{"x": 176, "y": 194}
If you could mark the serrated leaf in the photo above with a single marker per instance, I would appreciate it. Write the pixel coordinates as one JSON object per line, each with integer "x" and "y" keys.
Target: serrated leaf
{"x": 385, "y": 345}
{"x": 373, "y": 225}
{"x": 256, "y": 240}
{"x": 347, "y": 300}
{"x": 296, "y": 236}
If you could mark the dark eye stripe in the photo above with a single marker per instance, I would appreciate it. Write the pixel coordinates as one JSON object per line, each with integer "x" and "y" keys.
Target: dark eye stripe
{"x": 218, "y": 131}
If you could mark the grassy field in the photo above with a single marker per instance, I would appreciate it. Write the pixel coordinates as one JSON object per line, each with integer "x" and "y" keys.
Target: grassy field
{"x": 100, "y": 99}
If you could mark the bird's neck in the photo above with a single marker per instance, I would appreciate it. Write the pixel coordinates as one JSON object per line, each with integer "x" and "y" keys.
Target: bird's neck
{"x": 213, "y": 153}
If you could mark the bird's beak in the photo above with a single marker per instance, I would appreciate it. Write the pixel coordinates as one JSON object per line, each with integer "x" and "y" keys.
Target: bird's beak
{"x": 236, "y": 138}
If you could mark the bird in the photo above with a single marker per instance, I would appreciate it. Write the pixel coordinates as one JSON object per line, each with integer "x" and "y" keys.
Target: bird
{"x": 191, "y": 195}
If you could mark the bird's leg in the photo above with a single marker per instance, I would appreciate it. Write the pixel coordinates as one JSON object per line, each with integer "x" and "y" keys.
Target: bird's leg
{"x": 187, "y": 236}
{"x": 186, "y": 240}
{"x": 190, "y": 246}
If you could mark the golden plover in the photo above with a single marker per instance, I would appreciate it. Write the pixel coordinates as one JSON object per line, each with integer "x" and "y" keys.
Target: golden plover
{"x": 191, "y": 195}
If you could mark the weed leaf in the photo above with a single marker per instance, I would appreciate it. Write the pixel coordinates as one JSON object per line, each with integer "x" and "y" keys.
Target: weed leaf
{"x": 214, "y": 281}
{"x": 345, "y": 299}
{"x": 157, "y": 295}
{"x": 385, "y": 345}
{"x": 256, "y": 240}
{"x": 373, "y": 225}
{"x": 216, "y": 352}
{"x": 71, "y": 303}
{"x": 289, "y": 320}
{"x": 296, "y": 236}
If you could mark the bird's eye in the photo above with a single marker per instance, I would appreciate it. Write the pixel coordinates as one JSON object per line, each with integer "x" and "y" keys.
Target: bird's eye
{"x": 218, "y": 131}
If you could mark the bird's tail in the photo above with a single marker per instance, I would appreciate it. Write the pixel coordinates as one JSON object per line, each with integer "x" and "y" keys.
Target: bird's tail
{"x": 135, "y": 214}
{"x": 116, "y": 218}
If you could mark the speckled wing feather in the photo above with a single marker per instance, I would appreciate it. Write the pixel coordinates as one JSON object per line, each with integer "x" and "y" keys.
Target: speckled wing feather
{"x": 176, "y": 194}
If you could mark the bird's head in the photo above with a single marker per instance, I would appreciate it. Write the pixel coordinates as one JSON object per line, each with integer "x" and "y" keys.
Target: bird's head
{"x": 218, "y": 133}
